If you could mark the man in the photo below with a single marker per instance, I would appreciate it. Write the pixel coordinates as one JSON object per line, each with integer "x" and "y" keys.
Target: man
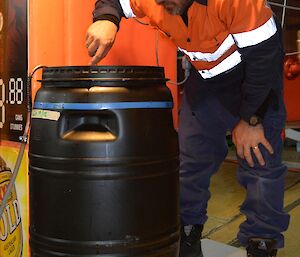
{"x": 235, "y": 84}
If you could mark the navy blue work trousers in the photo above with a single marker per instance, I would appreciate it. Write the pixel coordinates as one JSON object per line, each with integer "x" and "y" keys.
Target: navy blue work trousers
{"x": 209, "y": 109}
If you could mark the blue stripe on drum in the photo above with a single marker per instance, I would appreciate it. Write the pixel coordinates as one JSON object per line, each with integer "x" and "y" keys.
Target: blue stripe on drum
{"x": 103, "y": 106}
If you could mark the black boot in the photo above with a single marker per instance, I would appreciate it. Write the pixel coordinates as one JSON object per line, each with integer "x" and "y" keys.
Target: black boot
{"x": 190, "y": 245}
{"x": 261, "y": 247}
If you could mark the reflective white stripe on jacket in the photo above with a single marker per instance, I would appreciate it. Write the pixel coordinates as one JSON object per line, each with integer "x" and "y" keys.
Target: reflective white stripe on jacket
{"x": 245, "y": 39}
{"x": 256, "y": 36}
{"x": 210, "y": 57}
{"x": 227, "y": 64}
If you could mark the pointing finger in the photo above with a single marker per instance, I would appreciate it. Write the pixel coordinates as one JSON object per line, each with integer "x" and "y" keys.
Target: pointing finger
{"x": 93, "y": 48}
{"x": 99, "y": 55}
{"x": 88, "y": 41}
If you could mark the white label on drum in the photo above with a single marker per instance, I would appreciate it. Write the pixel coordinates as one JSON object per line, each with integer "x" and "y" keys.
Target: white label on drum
{"x": 45, "y": 114}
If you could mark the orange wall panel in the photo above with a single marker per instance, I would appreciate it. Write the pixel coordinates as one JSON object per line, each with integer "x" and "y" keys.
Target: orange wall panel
{"x": 46, "y": 33}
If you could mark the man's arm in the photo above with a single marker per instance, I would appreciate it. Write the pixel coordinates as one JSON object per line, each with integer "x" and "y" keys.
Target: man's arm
{"x": 261, "y": 90}
{"x": 263, "y": 76}
{"x": 101, "y": 35}
{"x": 259, "y": 42}
{"x": 108, "y": 10}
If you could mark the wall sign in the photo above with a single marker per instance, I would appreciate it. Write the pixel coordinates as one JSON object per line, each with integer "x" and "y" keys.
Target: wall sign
{"x": 13, "y": 68}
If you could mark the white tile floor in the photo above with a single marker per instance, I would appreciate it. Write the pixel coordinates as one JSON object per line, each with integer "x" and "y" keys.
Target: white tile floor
{"x": 212, "y": 248}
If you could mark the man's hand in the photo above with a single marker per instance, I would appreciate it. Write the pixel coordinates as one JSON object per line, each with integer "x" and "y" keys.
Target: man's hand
{"x": 246, "y": 137}
{"x": 100, "y": 37}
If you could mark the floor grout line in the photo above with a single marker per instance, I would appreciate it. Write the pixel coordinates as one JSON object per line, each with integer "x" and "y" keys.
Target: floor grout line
{"x": 215, "y": 229}
{"x": 292, "y": 185}
{"x": 292, "y": 205}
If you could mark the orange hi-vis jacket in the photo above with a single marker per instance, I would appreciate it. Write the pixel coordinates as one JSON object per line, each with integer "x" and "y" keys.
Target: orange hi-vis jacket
{"x": 215, "y": 30}
{"x": 217, "y": 35}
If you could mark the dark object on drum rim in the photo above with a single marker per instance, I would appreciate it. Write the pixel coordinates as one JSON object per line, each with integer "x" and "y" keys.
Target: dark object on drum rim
{"x": 103, "y": 164}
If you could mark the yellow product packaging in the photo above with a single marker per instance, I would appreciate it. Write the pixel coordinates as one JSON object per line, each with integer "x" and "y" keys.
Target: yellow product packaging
{"x": 11, "y": 242}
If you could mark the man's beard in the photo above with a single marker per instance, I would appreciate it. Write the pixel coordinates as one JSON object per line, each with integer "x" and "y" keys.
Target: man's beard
{"x": 178, "y": 10}
{"x": 174, "y": 11}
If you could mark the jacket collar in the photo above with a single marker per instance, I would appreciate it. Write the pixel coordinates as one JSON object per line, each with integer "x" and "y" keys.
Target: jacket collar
{"x": 204, "y": 2}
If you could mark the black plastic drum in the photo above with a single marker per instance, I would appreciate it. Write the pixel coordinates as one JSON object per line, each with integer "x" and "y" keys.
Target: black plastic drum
{"x": 103, "y": 164}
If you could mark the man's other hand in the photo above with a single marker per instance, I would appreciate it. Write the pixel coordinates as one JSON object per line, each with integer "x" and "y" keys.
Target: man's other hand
{"x": 249, "y": 139}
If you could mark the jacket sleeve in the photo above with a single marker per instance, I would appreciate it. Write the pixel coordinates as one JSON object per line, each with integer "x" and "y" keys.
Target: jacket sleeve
{"x": 108, "y": 10}
{"x": 258, "y": 38}
{"x": 263, "y": 76}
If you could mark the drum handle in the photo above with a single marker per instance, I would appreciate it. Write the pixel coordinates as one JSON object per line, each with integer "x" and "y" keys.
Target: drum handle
{"x": 23, "y": 139}
{"x": 100, "y": 126}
